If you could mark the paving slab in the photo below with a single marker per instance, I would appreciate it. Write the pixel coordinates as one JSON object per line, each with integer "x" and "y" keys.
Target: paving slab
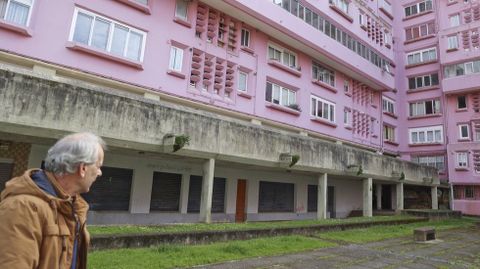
{"x": 458, "y": 248}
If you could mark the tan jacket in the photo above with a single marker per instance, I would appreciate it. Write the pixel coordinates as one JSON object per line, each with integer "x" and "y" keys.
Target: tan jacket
{"x": 37, "y": 229}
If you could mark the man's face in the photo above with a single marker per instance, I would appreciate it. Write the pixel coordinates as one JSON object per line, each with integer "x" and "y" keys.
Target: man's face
{"x": 91, "y": 172}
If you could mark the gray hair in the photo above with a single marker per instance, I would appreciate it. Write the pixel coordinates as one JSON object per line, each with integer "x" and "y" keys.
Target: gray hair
{"x": 69, "y": 152}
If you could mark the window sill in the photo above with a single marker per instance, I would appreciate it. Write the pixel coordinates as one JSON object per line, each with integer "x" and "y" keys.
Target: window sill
{"x": 348, "y": 127}
{"x": 144, "y": 8}
{"x": 182, "y": 22}
{"x": 452, "y": 50}
{"x": 341, "y": 12}
{"x": 386, "y": 13}
{"x": 324, "y": 85}
{"x": 451, "y": 3}
{"x": 420, "y": 64}
{"x": 419, "y": 39}
{"x": 364, "y": 27}
{"x": 461, "y": 110}
{"x": 247, "y": 50}
{"x": 423, "y": 89}
{"x": 390, "y": 114}
{"x": 391, "y": 142}
{"x": 322, "y": 121}
{"x": 461, "y": 169}
{"x": 425, "y": 144}
{"x": 417, "y": 15}
{"x": 176, "y": 74}
{"x": 283, "y": 108}
{"x": 349, "y": 94}
{"x": 464, "y": 140}
{"x": 290, "y": 70}
{"x": 24, "y": 30}
{"x": 424, "y": 116}
{"x": 244, "y": 94}
{"x": 103, "y": 54}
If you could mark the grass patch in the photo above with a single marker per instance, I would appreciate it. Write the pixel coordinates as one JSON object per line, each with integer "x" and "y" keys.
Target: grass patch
{"x": 194, "y": 227}
{"x": 378, "y": 233}
{"x": 172, "y": 256}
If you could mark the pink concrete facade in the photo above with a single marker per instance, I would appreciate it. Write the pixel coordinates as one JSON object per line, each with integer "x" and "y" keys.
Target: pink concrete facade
{"x": 367, "y": 73}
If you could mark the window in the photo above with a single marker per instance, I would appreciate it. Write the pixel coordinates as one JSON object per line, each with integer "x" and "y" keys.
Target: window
{"x": 388, "y": 105}
{"x": 276, "y": 197}
{"x": 420, "y": 31}
{"x": 322, "y": 109}
{"x": 283, "y": 56}
{"x": 423, "y": 81}
{"x": 346, "y": 117}
{"x": 452, "y": 42}
{"x": 341, "y": 4}
{"x": 434, "y": 161}
{"x": 388, "y": 133}
{"x": 462, "y": 159}
{"x": 16, "y": 11}
{"x": 323, "y": 74}
{"x": 280, "y": 95}
{"x": 462, "y": 102}
{"x": 346, "y": 86}
{"x": 242, "y": 81}
{"x": 461, "y": 69}
{"x": 476, "y": 131}
{"x": 176, "y": 59}
{"x": 165, "y": 192}
{"x": 418, "y": 8}
{"x": 426, "y": 135}
{"x": 455, "y": 20}
{"x": 245, "y": 38}
{"x": 108, "y": 35}
{"x": 469, "y": 194}
{"x": 464, "y": 132}
{"x": 423, "y": 108}
{"x": 181, "y": 9}
{"x": 422, "y": 56}
{"x": 145, "y": 2}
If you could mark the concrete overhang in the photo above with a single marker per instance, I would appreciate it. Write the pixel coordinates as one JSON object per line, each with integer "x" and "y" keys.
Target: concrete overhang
{"x": 313, "y": 45}
{"x": 44, "y": 108}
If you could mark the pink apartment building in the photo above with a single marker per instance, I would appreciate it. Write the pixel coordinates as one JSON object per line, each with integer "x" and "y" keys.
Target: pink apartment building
{"x": 294, "y": 109}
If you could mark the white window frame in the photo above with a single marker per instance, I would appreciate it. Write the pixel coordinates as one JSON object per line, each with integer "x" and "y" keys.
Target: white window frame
{"x": 388, "y": 105}
{"x": 362, "y": 19}
{"x": 245, "y": 38}
{"x": 178, "y": 4}
{"x": 466, "y": 102}
{"x": 418, "y": 7}
{"x": 347, "y": 117}
{"x": 454, "y": 20}
{"x": 464, "y": 127}
{"x": 452, "y": 42}
{"x": 323, "y": 74}
{"x": 282, "y": 52}
{"x": 341, "y": 4}
{"x": 469, "y": 192}
{"x": 239, "y": 85}
{"x": 328, "y": 109}
{"x": 176, "y": 59}
{"x": 110, "y": 34}
{"x": 415, "y": 135}
{"x": 388, "y": 133}
{"x": 291, "y": 95}
{"x": 461, "y": 159}
{"x": 419, "y": 108}
{"x": 423, "y": 81}
{"x": 437, "y": 161}
{"x": 29, "y": 3}
{"x": 420, "y": 55}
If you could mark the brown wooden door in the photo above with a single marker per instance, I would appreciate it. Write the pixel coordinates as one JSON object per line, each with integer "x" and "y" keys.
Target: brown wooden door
{"x": 241, "y": 192}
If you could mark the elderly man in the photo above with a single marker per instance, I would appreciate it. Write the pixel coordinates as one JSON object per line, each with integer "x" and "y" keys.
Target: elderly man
{"x": 42, "y": 215}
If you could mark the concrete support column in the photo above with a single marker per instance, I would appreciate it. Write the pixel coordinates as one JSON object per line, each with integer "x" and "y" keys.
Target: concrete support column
{"x": 322, "y": 197}
{"x": 207, "y": 191}
{"x": 434, "y": 197}
{"x": 367, "y": 197}
{"x": 379, "y": 196}
{"x": 399, "y": 196}
{"x": 185, "y": 186}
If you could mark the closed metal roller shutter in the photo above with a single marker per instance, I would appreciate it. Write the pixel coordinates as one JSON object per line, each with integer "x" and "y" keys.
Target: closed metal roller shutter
{"x": 111, "y": 191}
{"x": 166, "y": 192}
{"x": 195, "y": 193}
{"x": 276, "y": 197}
{"x": 5, "y": 174}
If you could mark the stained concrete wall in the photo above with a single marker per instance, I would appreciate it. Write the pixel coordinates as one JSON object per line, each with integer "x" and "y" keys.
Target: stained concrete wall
{"x": 47, "y": 108}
